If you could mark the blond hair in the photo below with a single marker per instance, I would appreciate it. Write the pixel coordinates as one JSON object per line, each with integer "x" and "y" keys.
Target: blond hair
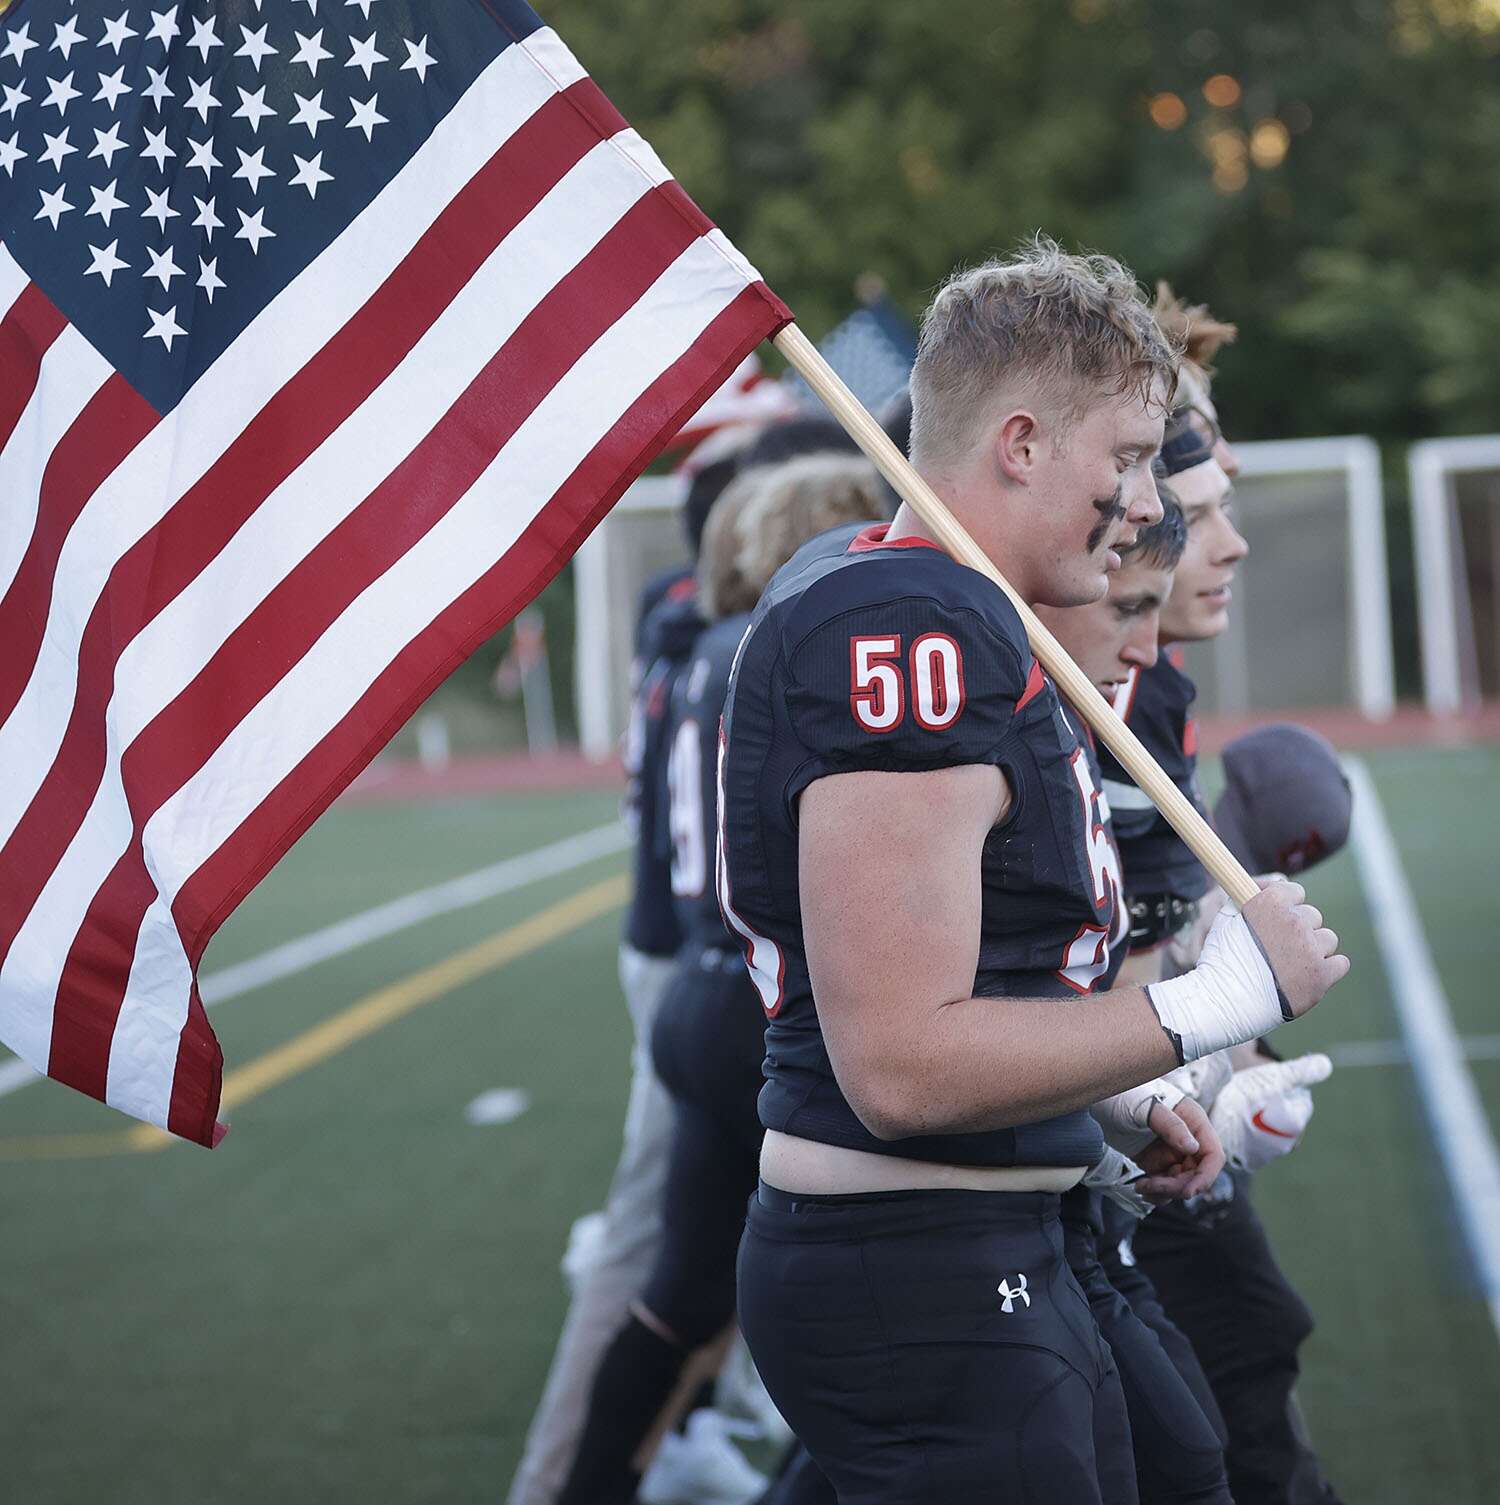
{"x": 799, "y": 500}
{"x": 721, "y": 588}
{"x": 1078, "y": 327}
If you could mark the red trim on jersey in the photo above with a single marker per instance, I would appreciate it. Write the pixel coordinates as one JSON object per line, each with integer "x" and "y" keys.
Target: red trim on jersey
{"x": 1176, "y": 657}
{"x": 684, "y": 589}
{"x": 874, "y": 537}
{"x": 1190, "y": 738}
{"x": 1036, "y": 682}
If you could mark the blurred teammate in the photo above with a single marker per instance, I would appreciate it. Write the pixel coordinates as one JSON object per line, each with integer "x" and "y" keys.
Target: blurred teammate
{"x": 619, "y": 1245}
{"x": 1212, "y": 1264}
{"x": 912, "y": 835}
{"x": 708, "y": 1040}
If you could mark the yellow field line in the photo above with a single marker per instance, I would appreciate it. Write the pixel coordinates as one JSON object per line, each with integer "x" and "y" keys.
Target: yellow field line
{"x": 368, "y": 1014}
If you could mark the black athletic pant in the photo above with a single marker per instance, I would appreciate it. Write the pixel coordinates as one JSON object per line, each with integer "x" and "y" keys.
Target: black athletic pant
{"x": 934, "y": 1348}
{"x": 1178, "y": 1455}
{"x": 707, "y": 1048}
{"x": 1219, "y": 1282}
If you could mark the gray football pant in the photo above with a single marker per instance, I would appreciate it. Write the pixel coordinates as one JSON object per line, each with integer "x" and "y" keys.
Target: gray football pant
{"x": 626, "y": 1251}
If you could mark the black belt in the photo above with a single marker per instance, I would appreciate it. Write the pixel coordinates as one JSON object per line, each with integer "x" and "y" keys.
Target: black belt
{"x": 1154, "y": 917}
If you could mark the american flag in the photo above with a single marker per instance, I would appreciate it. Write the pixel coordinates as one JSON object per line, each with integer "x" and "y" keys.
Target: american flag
{"x": 328, "y": 330}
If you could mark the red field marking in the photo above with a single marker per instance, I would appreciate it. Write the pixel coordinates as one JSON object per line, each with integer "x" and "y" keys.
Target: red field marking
{"x": 516, "y": 773}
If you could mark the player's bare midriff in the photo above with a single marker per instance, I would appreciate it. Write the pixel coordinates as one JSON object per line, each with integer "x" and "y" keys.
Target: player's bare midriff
{"x": 814, "y": 1169}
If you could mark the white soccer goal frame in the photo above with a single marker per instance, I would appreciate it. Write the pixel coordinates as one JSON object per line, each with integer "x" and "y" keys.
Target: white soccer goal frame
{"x": 600, "y": 663}
{"x": 1438, "y": 545}
{"x": 1358, "y": 457}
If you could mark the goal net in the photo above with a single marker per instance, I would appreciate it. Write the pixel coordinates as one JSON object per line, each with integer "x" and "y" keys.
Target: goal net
{"x": 1310, "y": 627}
{"x": 1311, "y": 623}
{"x": 1455, "y": 515}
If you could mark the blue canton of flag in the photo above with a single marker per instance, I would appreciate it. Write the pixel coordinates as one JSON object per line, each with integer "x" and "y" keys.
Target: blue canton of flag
{"x": 170, "y": 170}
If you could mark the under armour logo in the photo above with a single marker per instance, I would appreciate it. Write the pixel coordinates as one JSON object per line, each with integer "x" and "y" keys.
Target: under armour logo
{"x": 1004, "y": 1289}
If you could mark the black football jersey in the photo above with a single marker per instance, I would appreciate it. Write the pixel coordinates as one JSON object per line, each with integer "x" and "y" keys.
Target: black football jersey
{"x": 1157, "y": 706}
{"x": 692, "y": 778}
{"x": 867, "y": 655}
{"x": 664, "y": 638}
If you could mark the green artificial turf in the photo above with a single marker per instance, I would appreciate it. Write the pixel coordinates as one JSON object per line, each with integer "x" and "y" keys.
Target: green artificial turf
{"x": 355, "y": 1297}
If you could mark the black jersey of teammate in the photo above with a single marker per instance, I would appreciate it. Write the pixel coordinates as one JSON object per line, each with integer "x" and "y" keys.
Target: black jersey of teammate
{"x": 664, "y": 637}
{"x": 698, "y": 696}
{"x": 867, "y": 655}
{"x": 1157, "y": 705}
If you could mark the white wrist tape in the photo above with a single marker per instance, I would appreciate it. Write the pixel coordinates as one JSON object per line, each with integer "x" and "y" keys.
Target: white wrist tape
{"x": 1231, "y": 995}
{"x": 1125, "y": 1117}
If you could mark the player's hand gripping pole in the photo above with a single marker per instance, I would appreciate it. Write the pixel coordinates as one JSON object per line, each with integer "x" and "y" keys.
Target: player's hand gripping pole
{"x": 1070, "y": 679}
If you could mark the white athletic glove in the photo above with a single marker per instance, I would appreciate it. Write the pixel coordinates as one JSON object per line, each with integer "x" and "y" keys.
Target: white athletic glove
{"x": 1204, "y": 1079}
{"x": 1261, "y": 1113}
{"x": 1116, "y": 1175}
{"x": 1124, "y": 1117}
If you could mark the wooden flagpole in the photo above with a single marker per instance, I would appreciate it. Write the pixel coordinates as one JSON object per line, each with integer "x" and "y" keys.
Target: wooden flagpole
{"x": 1070, "y": 679}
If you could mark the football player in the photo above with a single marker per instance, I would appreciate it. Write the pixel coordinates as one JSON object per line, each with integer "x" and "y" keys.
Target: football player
{"x": 1211, "y": 1263}
{"x": 621, "y": 1242}
{"x": 1176, "y": 1431}
{"x": 707, "y": 1041}
{"x": 916, "y": 861}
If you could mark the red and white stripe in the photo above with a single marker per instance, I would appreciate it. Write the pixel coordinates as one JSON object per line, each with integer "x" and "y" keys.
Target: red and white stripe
{"x": 213, "y": 620}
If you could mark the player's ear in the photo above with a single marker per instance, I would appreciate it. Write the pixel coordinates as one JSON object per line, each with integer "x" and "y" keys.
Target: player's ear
{"x": 1016, "y": 445}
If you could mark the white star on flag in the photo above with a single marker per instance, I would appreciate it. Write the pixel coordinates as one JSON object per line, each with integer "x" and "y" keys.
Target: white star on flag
{"x": 107, "y": 143}
{"x": 164, "y": 26}
{"x": 156, "y": 148}
{"x": 311, "y": 52}
{"x": 54, "y": 206}
{"x": 420, "y": 59}
{"x": 60, "y": 92}
{"x": 255, "y": 47}
{"x": 366, "y": 116}
{"x": 160, "y": 210}
{"x": 58, "y": 147}
{"x": 206, "y": 220}
{"x": 15, "y": 97}
{"x": 157, "y": 90}
{"x": 253, "y": 167}
{"x": 310, "y": 173}
{"x": 203, "y": 156}
{"x": 253, "y": 107}
{"x": 253, "y": 229}
{"x": 208, "y": 277}
{"x": 106, "y": 201}
{"x": 116, "y": 34}
{"x": 200, "y": 98}
{"x": 68, "y": 36}
{"x": 163, "y": 267}
{"x": 310, "y": 112}
{"x": 365, "y": 56}
{"x": 164, "y": 326}
{"x": 106, "y": 263}
{"x": 364, "y": 6}
{"x": 204, "y": 38}
{"x": 112, "y": 86}
{"x": 20, "y": 44}
{"x": 10, "y": 154}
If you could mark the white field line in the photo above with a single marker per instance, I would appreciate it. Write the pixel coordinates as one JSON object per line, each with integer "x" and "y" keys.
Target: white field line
{"x": 1459, "y": 1122}
{"x": 1393, "y": 1052}
{"x": 375, "y": 924}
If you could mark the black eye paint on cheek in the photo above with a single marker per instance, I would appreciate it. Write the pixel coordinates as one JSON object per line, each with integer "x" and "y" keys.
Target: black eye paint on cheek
{"x": 1110, "y": 509}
